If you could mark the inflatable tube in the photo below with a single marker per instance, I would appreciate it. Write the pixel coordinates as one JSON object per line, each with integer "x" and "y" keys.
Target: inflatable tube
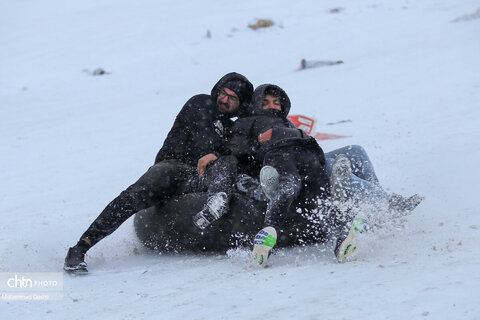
{"x": 168, "y": 227}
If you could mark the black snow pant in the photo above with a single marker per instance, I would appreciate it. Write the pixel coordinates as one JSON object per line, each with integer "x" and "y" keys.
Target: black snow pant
{"x": 303, "y": 181}
{"x": 165, "y": 179}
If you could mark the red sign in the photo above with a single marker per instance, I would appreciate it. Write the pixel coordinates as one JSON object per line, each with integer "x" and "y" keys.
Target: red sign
{"x": 307, "y": 123}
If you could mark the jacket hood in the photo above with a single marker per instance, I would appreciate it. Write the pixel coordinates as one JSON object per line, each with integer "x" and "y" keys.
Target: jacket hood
{"x": 259, "y": 95}
{"x": 240, "y": 85}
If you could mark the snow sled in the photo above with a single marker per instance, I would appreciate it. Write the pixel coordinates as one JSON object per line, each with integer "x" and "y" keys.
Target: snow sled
{"x": 168, "y": 227}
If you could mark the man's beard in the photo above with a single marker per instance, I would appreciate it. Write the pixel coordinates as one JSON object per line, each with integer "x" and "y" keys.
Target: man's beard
{"x": 225, "y": 108}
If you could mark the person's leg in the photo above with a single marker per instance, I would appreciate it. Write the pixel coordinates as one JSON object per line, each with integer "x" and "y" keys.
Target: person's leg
{"x": 160, "y": 181}
{"x": 218, "y": 181}
{"x": 363, "y": 182}
{"x": 221, "y": 175}
{"x": 301, "y": 178}
{"x": 250, "y": 187}
{"x": 289, "y": 186}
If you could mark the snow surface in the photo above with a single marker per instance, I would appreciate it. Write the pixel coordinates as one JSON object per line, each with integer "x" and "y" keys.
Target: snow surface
{"x": 71, "y": 142}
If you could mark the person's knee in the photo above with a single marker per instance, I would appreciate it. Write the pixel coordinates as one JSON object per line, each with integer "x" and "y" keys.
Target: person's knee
{"x": 289, "y": 185}
{"x": 162, "y": 174}
{"x": 224, "y": 167}
{"x": 229, "y": 162}
{"x": 160, "y": 179}
{"x": 163, "y": 168}
{"x": 137, "y": 192}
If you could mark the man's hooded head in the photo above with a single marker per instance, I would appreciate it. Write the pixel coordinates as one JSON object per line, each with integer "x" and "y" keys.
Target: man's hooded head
{"x": 240, "y": 85}
{"x": 273, "y": 90}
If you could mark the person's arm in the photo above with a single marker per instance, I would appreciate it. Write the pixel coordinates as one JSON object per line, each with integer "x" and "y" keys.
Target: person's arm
{"x": 193, "y": 134}
{"x": 279, "y": 133}
{"x": 174, "y": 145}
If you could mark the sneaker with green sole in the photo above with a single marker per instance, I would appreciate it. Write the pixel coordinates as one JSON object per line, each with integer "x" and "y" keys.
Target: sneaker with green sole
{"x": 346, "y": 245}
{"x": 263, "y": 243}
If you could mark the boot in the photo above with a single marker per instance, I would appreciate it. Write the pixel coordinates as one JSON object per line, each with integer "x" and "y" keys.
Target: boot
{"x": 404, "y": 205}
{"x": 75, "y": 260}
{"x": 216, "y": 206}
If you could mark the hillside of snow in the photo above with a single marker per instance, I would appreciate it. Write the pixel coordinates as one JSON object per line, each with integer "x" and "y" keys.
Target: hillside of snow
{"x": 408, "y": 91}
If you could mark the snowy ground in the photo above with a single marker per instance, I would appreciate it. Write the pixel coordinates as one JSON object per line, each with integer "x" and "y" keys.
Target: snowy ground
{"x": 70, "y": 142}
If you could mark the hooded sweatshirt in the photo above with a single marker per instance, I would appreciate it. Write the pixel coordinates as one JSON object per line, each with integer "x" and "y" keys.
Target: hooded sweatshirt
{"x": 200, "y": 127}
{"x": 244, "y": 142}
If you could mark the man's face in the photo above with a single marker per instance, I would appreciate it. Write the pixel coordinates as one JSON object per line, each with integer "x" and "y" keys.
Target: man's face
{"x": 228, "y": 101}
{"x": 271, "y": 102}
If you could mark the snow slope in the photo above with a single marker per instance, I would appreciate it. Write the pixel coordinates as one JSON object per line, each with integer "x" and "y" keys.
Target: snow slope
{"x": 409, "y": 86}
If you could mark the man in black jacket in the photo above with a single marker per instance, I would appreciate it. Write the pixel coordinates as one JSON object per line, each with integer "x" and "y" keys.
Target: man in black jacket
{"x": 267, "y": 138}
{"x": 197, "y": 138}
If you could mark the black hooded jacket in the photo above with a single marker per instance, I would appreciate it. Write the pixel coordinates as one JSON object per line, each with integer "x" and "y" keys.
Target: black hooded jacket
{"x": 244, "y": 142}
{"x": 200, "y": 127}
